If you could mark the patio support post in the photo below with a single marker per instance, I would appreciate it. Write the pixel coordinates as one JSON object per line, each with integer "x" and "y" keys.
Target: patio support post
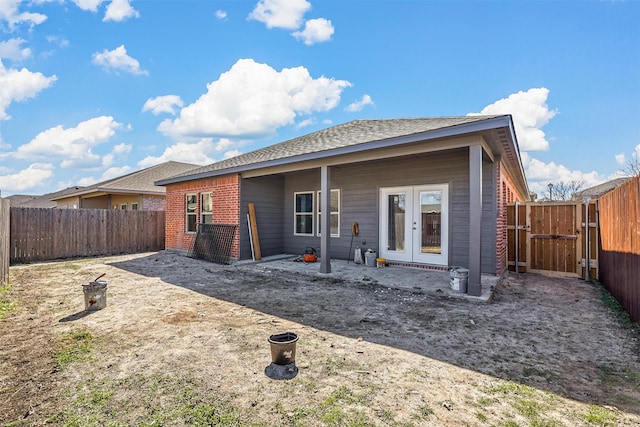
{"x": 325, "y": 219}
{"x": 475, "y": 219}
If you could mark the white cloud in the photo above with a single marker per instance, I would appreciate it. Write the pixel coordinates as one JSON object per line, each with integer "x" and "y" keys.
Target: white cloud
{"x": 19, "y": 85}
{"x": 306, "y": 122}
{"x": 90, "y": 5}
{"x": 122, "y": 149}
{"x": 230, "y": 154}
{"x": 115, "y": 172}
{"x": 530, "y": 113}
{"x": 223, "y": 144}
{"x": 540, "y": 174}
{"x": 120, "y": 10}
{"x": 253, "y": 99}
{"x": 189, "y": 152}
{"x": 287, "y": 14}
{"x": 87, "y": 181}
{"x": 359, "y": 105}
{"x": 221, "y": 15}
{"x": 117, "y": 60}
{"x": 73, "y": 145}
{"x": 163, "y": 104}
{"x": 118, "y": 150}
{"x": 315, "y": 31}
{"x": 620, "y": 159}
{"x": 10, "y": 13}
{"x": 60, "y": 41}
{"x": 12, "y": 49}
{"x": 37, "y": 174}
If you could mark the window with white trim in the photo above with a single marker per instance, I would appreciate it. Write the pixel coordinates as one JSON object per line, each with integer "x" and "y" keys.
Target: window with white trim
{"x": 134, "y": 206}
{"x": 334, "y": 204}
{"x": 303, "y": 213}
{"x": 206, "y": 208}
{"x": 123, "y": 206}
{"x": 191, "y": 212}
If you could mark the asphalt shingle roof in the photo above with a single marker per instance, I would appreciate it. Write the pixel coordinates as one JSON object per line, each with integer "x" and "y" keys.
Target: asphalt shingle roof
{"x": 601, "y": 189}
{"x": 141, "y": 181}
{"x": 345, "y": 135}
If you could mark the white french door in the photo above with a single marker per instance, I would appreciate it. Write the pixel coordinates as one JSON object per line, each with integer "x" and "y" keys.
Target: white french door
{"x": 414, "y": 223}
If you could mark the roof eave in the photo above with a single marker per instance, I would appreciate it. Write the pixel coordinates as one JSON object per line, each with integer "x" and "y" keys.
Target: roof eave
{"x": 108, "y": 191}
{"x": 524, "y": 186}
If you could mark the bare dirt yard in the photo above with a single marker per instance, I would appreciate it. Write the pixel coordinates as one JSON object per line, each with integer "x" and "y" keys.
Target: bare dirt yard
{"x": 184, "y": 342}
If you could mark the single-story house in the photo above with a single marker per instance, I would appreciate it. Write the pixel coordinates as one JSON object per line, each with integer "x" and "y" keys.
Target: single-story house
{"x": 423, "y": 191}
{"x": 134, "y": 191}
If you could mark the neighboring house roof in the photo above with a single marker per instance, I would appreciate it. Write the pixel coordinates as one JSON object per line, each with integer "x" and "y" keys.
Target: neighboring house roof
{"x": 601, "y": 189}
{"x": 43, "y": 201}
{"x": 362, "y": 135}
{"x": 140, "y": 182}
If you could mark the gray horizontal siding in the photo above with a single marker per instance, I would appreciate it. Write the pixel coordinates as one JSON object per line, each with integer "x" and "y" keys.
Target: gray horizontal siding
{"x": 267, "y": 194}
{"x": 360, "y": 184}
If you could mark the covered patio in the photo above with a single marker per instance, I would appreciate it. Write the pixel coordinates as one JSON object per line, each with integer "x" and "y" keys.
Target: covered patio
{"x": 419, "y": 280}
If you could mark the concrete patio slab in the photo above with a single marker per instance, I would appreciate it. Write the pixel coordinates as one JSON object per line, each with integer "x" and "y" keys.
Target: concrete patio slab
{"x": 414, "y": 279}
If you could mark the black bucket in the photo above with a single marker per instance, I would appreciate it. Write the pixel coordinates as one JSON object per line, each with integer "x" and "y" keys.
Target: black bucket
{"x": 283, "y": 348}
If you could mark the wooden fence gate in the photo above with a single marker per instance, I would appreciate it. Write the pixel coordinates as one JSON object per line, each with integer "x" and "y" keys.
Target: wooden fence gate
{"x": 551, "y": 238}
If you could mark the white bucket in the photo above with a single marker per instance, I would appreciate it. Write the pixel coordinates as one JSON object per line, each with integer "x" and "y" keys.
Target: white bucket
{"x": 459, "y": 278}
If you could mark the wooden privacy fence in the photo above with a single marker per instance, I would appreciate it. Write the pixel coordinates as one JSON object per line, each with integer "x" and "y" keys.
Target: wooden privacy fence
{"x": 620, "y": 245}
{"x": 550, "y": 238}
{"x": 45, "y": 234}
{"x": 4, "y": 241}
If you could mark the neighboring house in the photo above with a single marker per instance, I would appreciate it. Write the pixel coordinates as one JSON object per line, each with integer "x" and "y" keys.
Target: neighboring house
{"x": 424, "y": 191}
{"x": 134, "y": 191}
{"x": 599, "y": 190}
{"x": 46, "y": 201}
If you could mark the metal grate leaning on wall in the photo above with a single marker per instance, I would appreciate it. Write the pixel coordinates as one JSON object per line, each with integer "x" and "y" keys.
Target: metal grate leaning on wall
{"x": 213, "y": 243}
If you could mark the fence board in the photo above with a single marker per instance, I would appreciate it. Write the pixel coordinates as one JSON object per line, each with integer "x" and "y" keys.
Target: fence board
{"x": 619, "y": 255}
{"x": 45, "y": 234}
{"x": 4, "y": 241}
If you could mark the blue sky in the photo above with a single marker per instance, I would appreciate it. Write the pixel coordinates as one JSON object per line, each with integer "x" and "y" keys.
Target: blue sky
{"x": 93, "y": 89}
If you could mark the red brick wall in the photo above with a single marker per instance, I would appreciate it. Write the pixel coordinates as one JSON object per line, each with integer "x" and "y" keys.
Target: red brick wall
{"x": 506, "y": 193}
{"x": 153, "y": 203}
{"x": 226, "y": 206}
{"x": 226, "y": 209}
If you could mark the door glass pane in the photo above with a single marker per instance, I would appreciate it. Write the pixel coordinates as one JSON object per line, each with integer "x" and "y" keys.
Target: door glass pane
{"x": 431, "y": 213}
{"x": 396, "y": 222}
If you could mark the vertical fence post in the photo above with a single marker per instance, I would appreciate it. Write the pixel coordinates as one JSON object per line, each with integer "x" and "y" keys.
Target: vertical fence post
{"x": 587, "y": 234}
{"x": 516, "y": 237}
{"x": 5, "y": 211}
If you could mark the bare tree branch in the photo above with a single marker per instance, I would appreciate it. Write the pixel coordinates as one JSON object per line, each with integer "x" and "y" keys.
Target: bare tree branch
{"x": 565, "y": 190}
{"x": 632, "y": 167}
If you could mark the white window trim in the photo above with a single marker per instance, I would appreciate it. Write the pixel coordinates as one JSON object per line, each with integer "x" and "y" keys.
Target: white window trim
{"x": 136, "y": 205}
{"x": 123, "y": 206}
{"x": 296, "y": 214}
{"x": 318, "y": 213}
{"x": 203, "y": 213}
{"x": 187, "y": 214}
